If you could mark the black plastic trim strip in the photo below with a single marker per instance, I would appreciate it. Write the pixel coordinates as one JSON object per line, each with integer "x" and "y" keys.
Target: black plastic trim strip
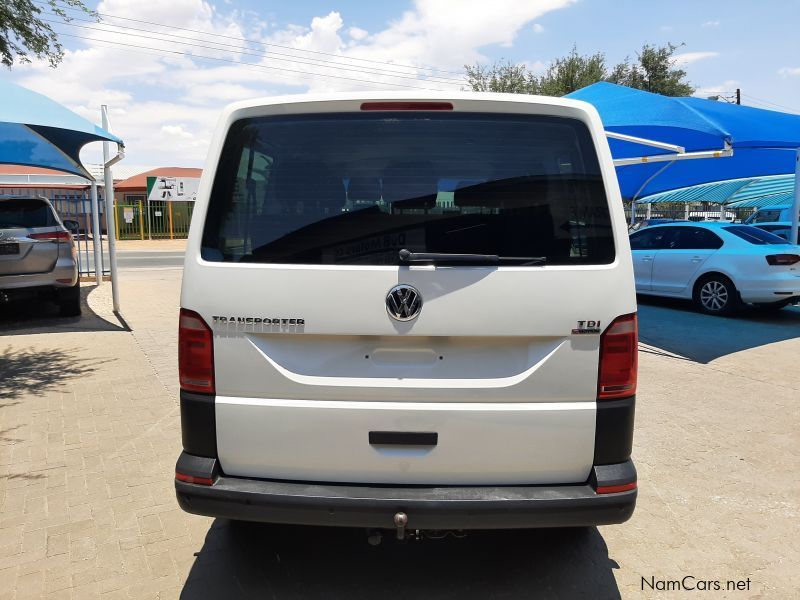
{"x": 197, "y": 466}
{"x": 198, "y": 424}
{"x": 613, "y": 437}
{"x": 610, "y": 475}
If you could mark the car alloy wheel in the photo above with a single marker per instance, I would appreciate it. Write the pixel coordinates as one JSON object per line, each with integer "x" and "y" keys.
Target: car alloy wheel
{"x": 714, "y": 296}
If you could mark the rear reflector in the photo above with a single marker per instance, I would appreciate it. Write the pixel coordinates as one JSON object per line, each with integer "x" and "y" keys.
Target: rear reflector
{"x": 191, "y": 479}
{"x": 618, "y": 359}
{"x": 406, "y": 106}
{"x": 613, "y": 489}
{"x": 51, "y": 236}
{"x": 195, "y": 353}
{"x": 783, "y": 259}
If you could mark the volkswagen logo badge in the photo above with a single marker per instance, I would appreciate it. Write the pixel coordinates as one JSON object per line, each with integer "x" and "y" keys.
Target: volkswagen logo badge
{"x": 403, "y": 302}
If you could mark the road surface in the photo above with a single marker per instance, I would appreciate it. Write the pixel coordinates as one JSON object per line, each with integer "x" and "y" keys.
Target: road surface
{"x": 141, "y": 259}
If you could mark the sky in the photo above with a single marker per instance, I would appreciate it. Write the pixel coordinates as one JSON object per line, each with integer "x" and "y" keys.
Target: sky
{"x": 166, "y": 69}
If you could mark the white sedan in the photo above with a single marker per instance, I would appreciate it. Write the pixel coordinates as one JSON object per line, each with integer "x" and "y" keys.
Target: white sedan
{"x": 719, "y": 265}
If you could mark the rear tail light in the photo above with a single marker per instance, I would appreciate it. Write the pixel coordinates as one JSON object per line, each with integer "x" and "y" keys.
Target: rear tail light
{"x": 613, "y": 489}
{"x": 195, "y": 353}
{"x": 618, "y": 359}
{"x": 52, "y": 236}
{"x": 407, "y": 106}
{"x": 783, "y": 259}
{"x": 197, "y": 480}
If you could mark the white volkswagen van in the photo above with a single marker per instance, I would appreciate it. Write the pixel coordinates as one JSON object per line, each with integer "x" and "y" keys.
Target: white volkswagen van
{"x": 408, "y": 312}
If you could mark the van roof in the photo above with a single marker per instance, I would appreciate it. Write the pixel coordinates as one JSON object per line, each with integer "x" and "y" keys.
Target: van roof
{"x": 423, "y": 96}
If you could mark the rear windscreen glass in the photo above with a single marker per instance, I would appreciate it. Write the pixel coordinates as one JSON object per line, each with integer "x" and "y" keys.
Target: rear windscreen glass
{"x": 754, "y": 235}
{"x": 25, "y": 213}
{"x": 357, "y": 188}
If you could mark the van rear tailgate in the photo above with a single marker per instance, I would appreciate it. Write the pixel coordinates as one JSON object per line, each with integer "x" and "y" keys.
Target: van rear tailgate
{"x": 477, "y": 443}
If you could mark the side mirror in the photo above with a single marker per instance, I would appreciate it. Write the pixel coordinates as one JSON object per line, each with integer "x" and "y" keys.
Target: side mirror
{"x": 73, "y": 226}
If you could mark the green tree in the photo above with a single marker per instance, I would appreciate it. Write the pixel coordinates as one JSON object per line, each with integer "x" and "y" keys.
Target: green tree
{"x": 502, "y": 76}
{"x": 572, "y": 72}
{"x": 654, "y": 70}
{"x": 24, "y": 33}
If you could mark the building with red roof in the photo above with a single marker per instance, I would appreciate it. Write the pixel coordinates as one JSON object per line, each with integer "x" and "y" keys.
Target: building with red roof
{"x": 70, "y": 195}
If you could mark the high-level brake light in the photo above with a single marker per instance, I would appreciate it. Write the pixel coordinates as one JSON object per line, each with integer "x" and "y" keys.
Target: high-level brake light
{"x": 407, "y": 106}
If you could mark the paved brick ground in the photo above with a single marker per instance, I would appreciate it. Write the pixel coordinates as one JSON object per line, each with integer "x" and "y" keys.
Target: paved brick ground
{"x": 89, "y": 433}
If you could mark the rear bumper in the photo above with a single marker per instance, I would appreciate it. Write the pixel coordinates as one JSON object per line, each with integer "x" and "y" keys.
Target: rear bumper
{"x": 452, "y": 507}
{"x": 768, "y": 296}
{"x": 64, "y": 269}
{"x": 773, "y": 289}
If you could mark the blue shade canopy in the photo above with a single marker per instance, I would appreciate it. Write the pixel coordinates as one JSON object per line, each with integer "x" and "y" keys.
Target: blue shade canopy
{"x": 763, "y": 141}
{"x": 36, "y": 131}
{"x": 748, "y": 192}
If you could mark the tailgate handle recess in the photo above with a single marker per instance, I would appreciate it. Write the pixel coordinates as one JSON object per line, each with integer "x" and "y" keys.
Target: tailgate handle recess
{"x": 403, "y": 438}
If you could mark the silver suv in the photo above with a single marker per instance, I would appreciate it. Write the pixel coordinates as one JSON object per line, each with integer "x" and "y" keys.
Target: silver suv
{"x": 37, "y": 254}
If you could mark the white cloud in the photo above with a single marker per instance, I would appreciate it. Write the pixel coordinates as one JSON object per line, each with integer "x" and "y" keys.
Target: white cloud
{"x": 164, "y": 102}
{"x": 790, "y": 71}
{"x": 690, "y": 57}
{"x": 176, "y": 130}
{"x": 708, "y": 24}
{"x": 537, "y": 28}
{"x": 667, "y": 28}
{"x": 357, "y": 33}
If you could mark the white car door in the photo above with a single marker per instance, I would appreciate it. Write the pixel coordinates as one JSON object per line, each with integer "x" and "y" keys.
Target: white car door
{"x": 645, "y": 243}
{"x": 684, "y": 252}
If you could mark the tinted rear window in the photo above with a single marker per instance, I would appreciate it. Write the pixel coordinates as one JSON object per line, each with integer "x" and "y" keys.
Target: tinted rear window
{"x": 754, "y": 235}
{"x": 357, "y": 188}
{"x": 26, "y": 213}
{"x": 764, "y": 216}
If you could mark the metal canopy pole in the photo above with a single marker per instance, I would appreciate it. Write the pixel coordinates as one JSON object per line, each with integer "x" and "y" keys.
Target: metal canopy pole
{"x": 645, "y": 142}
{"x": 110, "y": 216}
{"x": 796, "y": 205}
{"x": 96, "y": 235}
{"x": 723, "y": 152}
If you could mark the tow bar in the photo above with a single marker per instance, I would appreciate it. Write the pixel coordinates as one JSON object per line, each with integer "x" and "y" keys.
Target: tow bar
{"x": 400, "y": 519}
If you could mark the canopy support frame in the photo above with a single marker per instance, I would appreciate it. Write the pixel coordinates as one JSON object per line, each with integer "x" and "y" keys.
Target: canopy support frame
{"x": 108, "y": 162}
{"x": 727, "y": 150}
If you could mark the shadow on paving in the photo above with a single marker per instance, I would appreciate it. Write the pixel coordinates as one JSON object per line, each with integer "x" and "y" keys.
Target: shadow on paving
{"x": 37, "y": 371}
{"x": 41, "y": 316}
{"x": 248, "y": 560}
{"x": 676, "y": 327}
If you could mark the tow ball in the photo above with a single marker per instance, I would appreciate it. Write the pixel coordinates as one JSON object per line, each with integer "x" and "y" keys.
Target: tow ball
{"x": 400, "y": 522}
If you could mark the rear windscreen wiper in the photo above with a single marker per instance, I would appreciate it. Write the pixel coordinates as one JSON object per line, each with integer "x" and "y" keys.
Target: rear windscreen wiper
{"x": 406, "y": 256}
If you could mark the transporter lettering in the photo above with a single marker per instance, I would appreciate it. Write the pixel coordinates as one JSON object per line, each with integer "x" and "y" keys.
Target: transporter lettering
{"x": 256, "y": 320}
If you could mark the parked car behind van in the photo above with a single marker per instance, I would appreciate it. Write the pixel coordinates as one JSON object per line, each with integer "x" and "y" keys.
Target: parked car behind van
{"x": 782, "y": 229}
{"x": 409, "y": 313}
{"x": 782, "y": 212}
{"x": 718, "y": 265}
{"x": 37, "y": 254}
